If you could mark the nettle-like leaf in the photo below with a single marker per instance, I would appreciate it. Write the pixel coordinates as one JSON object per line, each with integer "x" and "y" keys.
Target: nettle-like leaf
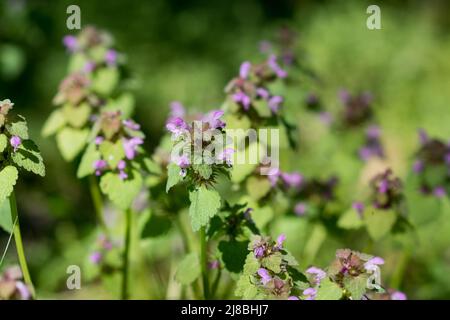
{"x": 328, "y": 290}
{"x": 8, "y": 178}
{"x": 245, "y": 288}
{"x": 112, "y": 152}
{"x": 121, "y": 192}
{"x": 205, "y": 204}
{"x": 55, "y": 121}
{"x": 5, "y": 216}
{"x": 189, "y": 269}
{"x": 29, "y": 158}
{"x": 273, "y": 262}
{"x": 105, "y": 80}
{"x": 379, "y": 222}
{"x": 86, "y": 166}
{"x": 71, "y": 142}
{"x": 124, "y": 103}
{"x": 173, "y": 176}
{"x": 350, "y": 220}
{"x": 3, "y": 142}
{"x": 233, "y": 254}
{"x": 76, "y": 116}
{"x": 18, "y": 128}
{"x": 356, "y": 286}
{"x": 258, "y": 188}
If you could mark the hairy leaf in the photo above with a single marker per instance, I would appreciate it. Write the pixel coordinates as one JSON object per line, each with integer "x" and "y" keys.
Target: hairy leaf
{"x": 55, "y": 121}
{"x": 71, "y": 141}
{"x": 8, "y": 178}
{"x": 173, "y": 175}
{"x": 121, "y": 192}
{"x": 205, "y": 203}
{"x": 86, "y": 166}
{"x": 29, "y": 158}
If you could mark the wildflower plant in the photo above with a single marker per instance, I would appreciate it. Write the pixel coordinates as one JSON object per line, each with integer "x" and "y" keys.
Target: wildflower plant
{"x": 17, "y": 153}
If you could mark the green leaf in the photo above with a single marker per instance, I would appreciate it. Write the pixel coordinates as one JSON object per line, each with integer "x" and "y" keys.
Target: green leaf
{"x": 86, "y": 166}
{"x": 241, "y": 171}
{"x": 173, "y": 175}
{"x": 273, "y": 262}
{"x": 121, "y": 192}
{"x": 105, "y": 80}
{"x": 76, "y": 116}
{"x": 77, "y": 62}
{"x": 204, "y": 170}
{"x": 379, "y": 222}
{"x": 234, "y": 254}
{"x": 71, "y": 141}
{"x": 262, "y": 108}
{"x": 356, "y": 286}
{"x": 251, "y": 264}
{"x": 350, "y": 220}
{"x": 55, "y": 121}
{"x": 125, "y": 104}
{"x": 205, "y": 204}
{"x": 188, "y": 269}
{"x": 8, "y": 178}
{"x": 5, "y": 216}
{"x": 112, "y": 152}
{"x": 245, "y": 288}
{"x": 328, "y": 290}
{"x": 3, "y": 142}
{"x": 18, "y": 128}
{"x": 257, "y": 188}
{"x": 29, "y": 158}
{"x": 156, "y": 226}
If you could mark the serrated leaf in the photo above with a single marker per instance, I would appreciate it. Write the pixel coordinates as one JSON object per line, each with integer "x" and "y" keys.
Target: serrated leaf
{"x": 125, "y": 104}
{"x": 379, "y": 222}
{"x": 251, "y": 264}
{"x": 262, "y": 108}
{"x": 112, "y": 152}
{"x": 86, "y": 166}
{"x": 71, "y": 141}
{"x": 350, "y": 220}
{"x": 234, "y": 254}
{"x": 3, "y": 142}
{"x": 8, "y": 178}
{"x": 5, "y": 216}
{"x": 205, "y": 204}
{"x": 121, "y": 192}
{"x": 356, "y": 286}
{"x": 29, "y": 158}
{"x": 54, "y": 122}
{"x": 204, "y": 170}
{"x": 105, "y": 80}
{"x": 245, "y": 288}
{"x": 328, "y": 290}
{"x": 273, "y": 262}
{"x": 173, "y": 175}
{"x": 156, "y": 225}
{"x": 257, "y": 188}
{"x": 76, "y": 116}
{"x": 19, "y": 129}
{"x": 189, "y": 269}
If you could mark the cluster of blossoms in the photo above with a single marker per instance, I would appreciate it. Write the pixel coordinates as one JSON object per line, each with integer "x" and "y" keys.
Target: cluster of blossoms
{"x": 357, "y": 109}
{"x": 118, "y": 142}
{"x": 372, "y": 146}
{"x": 14, "y": 140}
{"x": 250, "y": 92}
{"x": 356, "y": 273}
{"x": 284, "y": 43}
{"x": 200, "y": 147}
{"x": 12, "y": 287}
{"x": 432, "y": 164}
{"x": 103, "y": 246}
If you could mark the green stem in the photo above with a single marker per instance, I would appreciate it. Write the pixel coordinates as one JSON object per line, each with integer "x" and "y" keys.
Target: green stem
{"x": 126, "y": 255}
{"x": 98, "y": 202}
{"x": 19, "y": 244}
{"x": 204, "y": 262}
{"x": 216, "y": 282}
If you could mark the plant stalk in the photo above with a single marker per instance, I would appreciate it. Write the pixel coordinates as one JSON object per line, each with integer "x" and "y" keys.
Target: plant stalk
{"x": 98, "y": 203}
{"x": 126, "y": 256}
{"x": 204, "y": 262}
{"x": 19, "y": 244}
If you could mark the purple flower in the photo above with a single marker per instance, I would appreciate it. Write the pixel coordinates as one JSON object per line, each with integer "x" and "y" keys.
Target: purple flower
{"x": 272, "y": 62}
{"x": 183, "y": 161}
{"x": 265, "y": 46}
{"x": 95, "y": 257}
{"x": 121, "y": 166}
{"x": 344, "y": 96}
{"x": 130, "y": 124}
{"x": 423, "y": 137}
{"x": 99, "y": 166}
{"x": 244, "y": 70}
{"x": 70, "y": 42}
{"x": 373, "y": 264}
{"x": 418, "y": 166}
{"x": 300, "y": 209}
{"x": 273, "y": 175}
{"x": 15, "y": 142}
{"x": 214, "y": 264}
{"x": 259, "y": 251}
{"x": 243, "y": 99}
{"x": 111, "y": 57}
{"x": 373, "y": 132}
{"x": 177, "y": 109}
{"x": 310, "y": 294}
{"x": 358, "y": 207}
{"x": 275, "y": 102}
{"x": 318, "y": 273}
{"x": 439, "y": 192}
{"x": 265, "y": 276}
{"x": 293, "y": 298}
{"x": 263, "y": 93}
{"x": 130, "y": 146}
{"x": 177, "y": 126}
{"x": 384, "y": 186}
{"x": 281, "y": 238}
{"x": 326, "y": 118}
{"x": 213, "y": 119}
{"x": 99, "y": 140}
{"x": 447, "y": 158}
{"x": 89, "y": 66}
{"x": 24, "y": 292}
{"x": 398, "y": 295}
{"x": 226, "y": 155}
{"x": 292, "y": 180}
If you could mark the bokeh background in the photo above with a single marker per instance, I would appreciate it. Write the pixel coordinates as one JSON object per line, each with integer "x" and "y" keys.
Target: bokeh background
{"x": 188, "y": 51}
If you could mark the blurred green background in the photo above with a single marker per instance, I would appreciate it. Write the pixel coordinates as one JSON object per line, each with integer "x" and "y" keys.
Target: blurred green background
{"x": 188, "y": 51}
